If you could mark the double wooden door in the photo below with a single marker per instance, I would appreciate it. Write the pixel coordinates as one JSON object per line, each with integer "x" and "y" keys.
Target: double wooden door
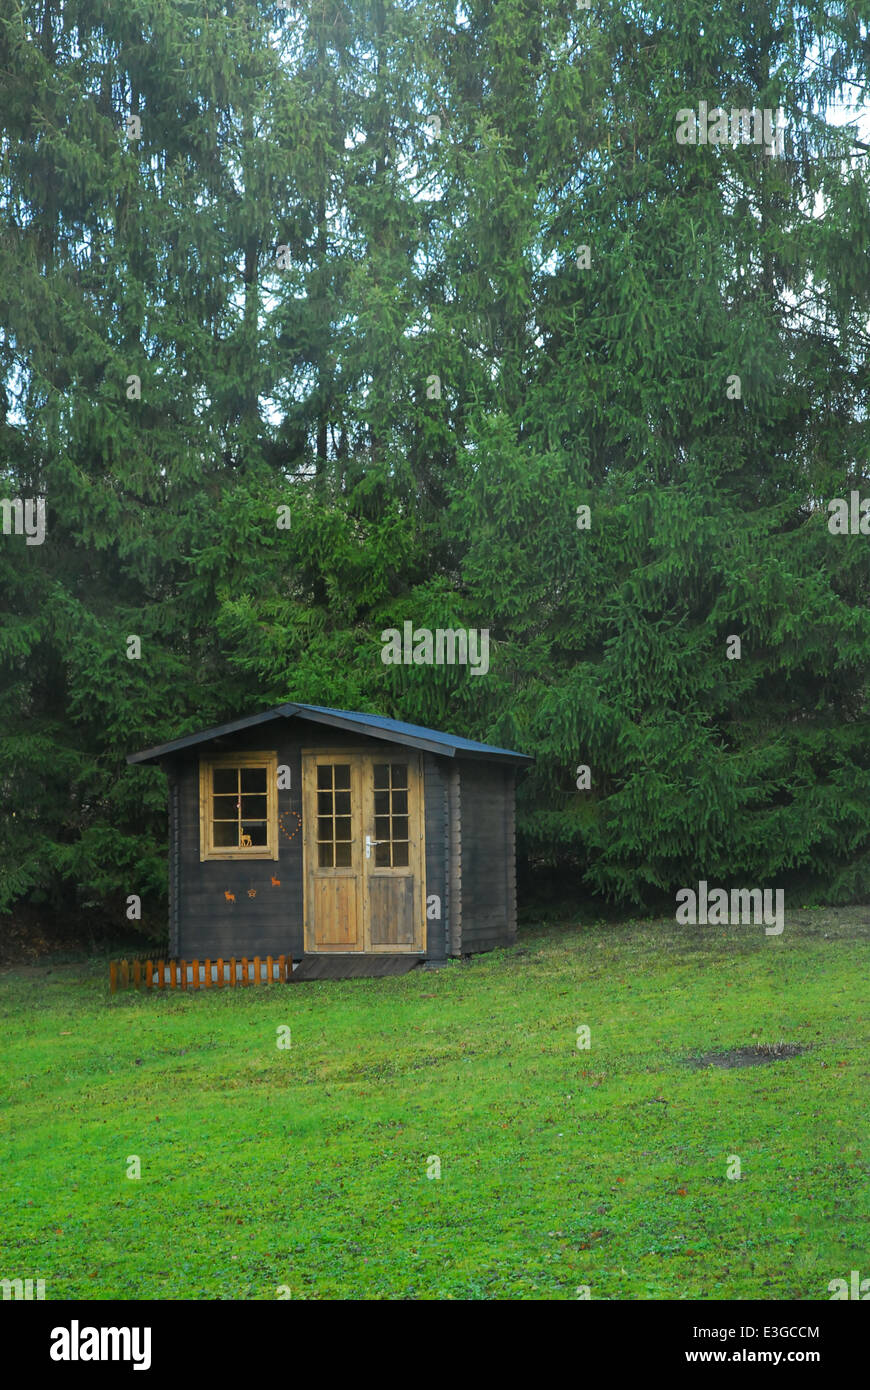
{"x": 363, "y": 852}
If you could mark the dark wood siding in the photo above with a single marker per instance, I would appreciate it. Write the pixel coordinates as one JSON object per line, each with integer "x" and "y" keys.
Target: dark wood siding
{"x": 488, "y": 896}
{"x": 174, "y": 864}
{"x": 454, "y": 860}
{"x": 510, "y": 862}
{"x": 269, "y": 923}
{"x": 436, "y": 807}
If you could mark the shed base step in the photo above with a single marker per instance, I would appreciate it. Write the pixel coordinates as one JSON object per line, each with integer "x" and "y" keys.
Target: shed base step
{"x": 352, "y": 967}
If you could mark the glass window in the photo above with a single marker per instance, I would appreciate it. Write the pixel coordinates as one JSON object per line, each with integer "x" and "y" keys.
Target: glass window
{"x": 334, "y": 835}
{"x": 238, "y": 807}
{"x": 391, "y": 815}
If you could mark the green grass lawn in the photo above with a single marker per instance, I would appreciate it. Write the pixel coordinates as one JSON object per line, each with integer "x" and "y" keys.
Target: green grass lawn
{"x": 307, "y": 1167}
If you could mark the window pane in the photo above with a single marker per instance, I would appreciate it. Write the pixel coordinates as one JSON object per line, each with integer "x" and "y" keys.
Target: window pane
{"x": 382, "y": 856}
{"x": 254, "y": 806}
{"x": 256, "y": 830}
{"x": 342, "y": 855}
{"x": 382, "y": 774}
{"x": 226, "y": 779}
{"x": 324, "y": 853}
{"x": 342, "y": 803}
{"x": 225, "y": 807}
{"x": 324, "y": 803}
{"x": 400, "y": 827}
{"x": 342, "y": 828}
{"x": 324, "y": 775}
{"x": 225, "y": 833}
{"x": 342, "y": 775}
{"x": 324, "y": 827}
{"x": 400, "y": 774}
{"x": 382, "y": 827}
{"x": 253, "y": 779}
{"x": 400, "y": 803}
{"x": 400, "y": 856}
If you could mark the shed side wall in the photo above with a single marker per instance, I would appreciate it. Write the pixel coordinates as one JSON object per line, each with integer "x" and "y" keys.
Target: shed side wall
{"x": 487, "y": 853}
{"x": 454, "y": 860}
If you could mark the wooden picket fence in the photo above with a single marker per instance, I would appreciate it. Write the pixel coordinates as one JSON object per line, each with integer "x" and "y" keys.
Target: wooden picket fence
{"x": 196, "y": 974}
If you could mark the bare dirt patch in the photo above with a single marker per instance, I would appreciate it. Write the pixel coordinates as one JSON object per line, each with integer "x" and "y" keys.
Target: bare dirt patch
{"x": 755, "y": 1056}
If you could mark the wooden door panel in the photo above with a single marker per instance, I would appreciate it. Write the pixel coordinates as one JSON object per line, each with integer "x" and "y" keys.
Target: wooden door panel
{"x": 391, "y": 904}
{"x": 393, "y": 865}
{"x": 336, "y": 910}
{"x": 334, "y": 906}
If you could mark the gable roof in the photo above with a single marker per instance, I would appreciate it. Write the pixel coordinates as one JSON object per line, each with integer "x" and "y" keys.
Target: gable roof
{"x": 373, "y": 725}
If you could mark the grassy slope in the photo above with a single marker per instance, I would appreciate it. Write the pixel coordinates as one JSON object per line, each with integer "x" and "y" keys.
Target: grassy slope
{"x": 307, "y": 1167}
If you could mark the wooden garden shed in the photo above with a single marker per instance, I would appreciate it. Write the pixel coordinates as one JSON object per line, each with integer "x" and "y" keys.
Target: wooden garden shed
{"x": 354, "y": 843}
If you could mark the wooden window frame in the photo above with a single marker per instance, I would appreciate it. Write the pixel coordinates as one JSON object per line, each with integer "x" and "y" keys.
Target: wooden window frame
{"x": 208, "y": 850}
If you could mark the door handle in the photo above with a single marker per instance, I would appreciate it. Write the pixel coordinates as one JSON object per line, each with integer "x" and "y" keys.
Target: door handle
{"x": 369, "y": 843}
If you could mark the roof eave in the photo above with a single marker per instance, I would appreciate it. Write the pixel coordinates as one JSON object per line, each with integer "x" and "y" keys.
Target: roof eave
{"x": 151, "y": 755}
{"x": 353, "y": 726}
